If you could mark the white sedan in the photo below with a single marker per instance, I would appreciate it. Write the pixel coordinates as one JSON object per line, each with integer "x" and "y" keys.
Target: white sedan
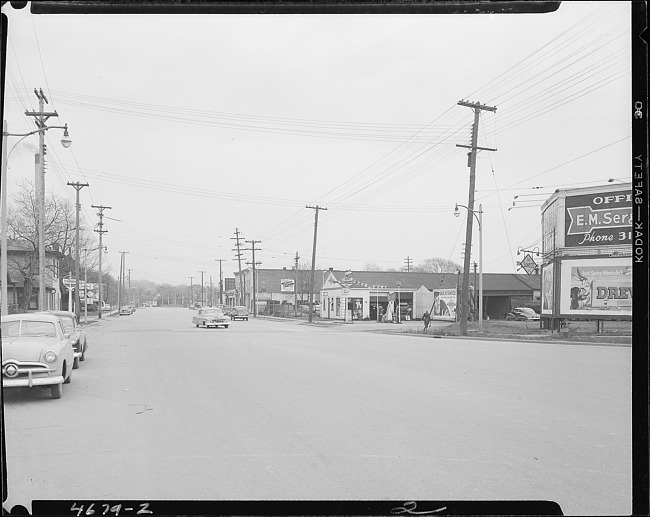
{"x": 36, "y": 352}
{"x": 211, "y": 317}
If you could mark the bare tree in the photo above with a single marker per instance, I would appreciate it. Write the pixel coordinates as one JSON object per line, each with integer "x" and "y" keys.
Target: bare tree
{"x": 437, "y": 265}
{"x": 59, "y": 234}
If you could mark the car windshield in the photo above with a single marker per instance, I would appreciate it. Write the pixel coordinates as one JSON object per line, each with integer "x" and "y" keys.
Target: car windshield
{"x": 214, "y": 311}
{"x": 67, "y": 321}
{"x": 29, "y": 328}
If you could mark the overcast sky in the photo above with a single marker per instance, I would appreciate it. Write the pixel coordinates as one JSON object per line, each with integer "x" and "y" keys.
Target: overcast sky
{"x": 192, "y": 126}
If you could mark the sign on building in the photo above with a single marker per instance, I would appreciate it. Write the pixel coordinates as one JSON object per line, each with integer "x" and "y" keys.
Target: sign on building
{"x": 599, "y": 218}
{"x": 287, "y": 285}
{"x": 596, "y": 287}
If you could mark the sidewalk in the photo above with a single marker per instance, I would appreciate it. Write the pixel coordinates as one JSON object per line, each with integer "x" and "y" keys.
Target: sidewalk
{"x": 449, "y": 330}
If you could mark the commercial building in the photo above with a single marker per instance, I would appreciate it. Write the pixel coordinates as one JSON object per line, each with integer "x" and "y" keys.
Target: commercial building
{"x": 370, "y": 294}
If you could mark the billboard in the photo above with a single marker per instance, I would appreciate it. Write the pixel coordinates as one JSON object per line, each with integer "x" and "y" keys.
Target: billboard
{"x": 444, "y": 304}
{"x": 548, "y": 288}
{"x": 598, "y": 219}
{"x": 596, "y": 287}
{"x": 287, "y": 285}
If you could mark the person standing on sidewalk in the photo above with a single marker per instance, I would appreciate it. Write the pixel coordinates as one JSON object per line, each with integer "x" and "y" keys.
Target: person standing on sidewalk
{"x": 426, "y": 319}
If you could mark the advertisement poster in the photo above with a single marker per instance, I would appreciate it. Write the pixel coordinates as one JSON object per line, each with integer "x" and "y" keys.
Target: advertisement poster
{"x": 444, "y": 305}
{"x": 286, "y": 285}
{"x": 593, "y": 287}
{"x": 547, "y": 289}
{"x": 599, "y": 219}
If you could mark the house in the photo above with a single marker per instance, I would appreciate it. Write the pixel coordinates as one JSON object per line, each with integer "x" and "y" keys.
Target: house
{"x": 22, "y": 265}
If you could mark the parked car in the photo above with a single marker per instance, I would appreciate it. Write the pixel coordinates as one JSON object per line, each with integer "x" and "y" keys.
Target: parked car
{"x": 106, "y": 307}
{"x": 126, "y": 310}
{"x": 210, "y": 317}
{"x": 239, "y": 313}
{"x": 72, "y": 327}
{"x": 36, "y": 352}
{"x": 522, "y": 314}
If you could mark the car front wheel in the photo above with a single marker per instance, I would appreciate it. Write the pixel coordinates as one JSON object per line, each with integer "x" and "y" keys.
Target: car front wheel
{"x": 75, "y": 363}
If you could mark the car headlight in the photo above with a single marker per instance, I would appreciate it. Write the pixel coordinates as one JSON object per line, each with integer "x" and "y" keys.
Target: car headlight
{"x": 50, "y": 356}
{"x": 74, "y": 340}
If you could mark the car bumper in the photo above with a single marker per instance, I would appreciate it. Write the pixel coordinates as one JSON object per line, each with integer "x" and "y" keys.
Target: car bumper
{"x": 32, "y": 381}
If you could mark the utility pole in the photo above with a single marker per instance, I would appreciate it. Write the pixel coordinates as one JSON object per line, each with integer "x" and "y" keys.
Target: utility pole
{"x": 220, "y": 281}
{"x": 253, "y": 249}
{"x": 191, "y": 291}
{"x": 101, "y": 231}
{"x": 40, "y": 118}
{"x": 202, "y": 289}
{"x": 77, "y": 310}
{"x": 238, "y": 256}
{"x": 408, "y": 261}
{"x": 474, "y": 148}
{"x": 295, "y": 287}
{"x": 120, "y": 287}
{"x": 129, "y": 291}
{"x": 313, "y": 260}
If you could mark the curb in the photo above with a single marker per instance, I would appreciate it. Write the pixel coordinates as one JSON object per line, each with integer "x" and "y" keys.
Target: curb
{"x": 507, "y": 339}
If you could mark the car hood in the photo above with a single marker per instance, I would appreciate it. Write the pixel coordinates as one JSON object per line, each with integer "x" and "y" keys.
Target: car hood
{"x": 27, "y": 348}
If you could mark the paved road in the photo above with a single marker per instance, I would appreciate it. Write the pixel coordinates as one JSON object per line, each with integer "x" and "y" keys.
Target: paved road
{"x": 274, "y": 410}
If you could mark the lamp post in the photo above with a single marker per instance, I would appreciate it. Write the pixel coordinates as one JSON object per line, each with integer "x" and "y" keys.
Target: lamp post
{"x": 479, "y": 218}
{"x": 65, "y": 142}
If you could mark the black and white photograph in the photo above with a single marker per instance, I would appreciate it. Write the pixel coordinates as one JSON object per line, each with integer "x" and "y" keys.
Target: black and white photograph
{"x": 321, "y": 254}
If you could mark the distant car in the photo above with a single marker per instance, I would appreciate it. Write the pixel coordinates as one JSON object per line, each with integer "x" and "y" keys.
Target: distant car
{"x": 210, "y": 317}
{"x": 239, "y": 313}
{"x": 522, "y": 314}
{"x": 126, "y": 310}
{"x": 106, "y": 307}
{"x": 72, "y": 327}
{"x": 36, "y": 352}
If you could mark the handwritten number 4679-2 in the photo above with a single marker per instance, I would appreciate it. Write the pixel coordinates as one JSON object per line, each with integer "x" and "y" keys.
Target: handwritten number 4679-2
{"x": 105, "y": 509}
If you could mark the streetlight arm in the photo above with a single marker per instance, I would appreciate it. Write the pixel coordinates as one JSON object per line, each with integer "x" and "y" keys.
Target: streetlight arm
{"x": 40, "y": 130}
{"x": 65, "y": 141}
{"x": 478, "y": 220}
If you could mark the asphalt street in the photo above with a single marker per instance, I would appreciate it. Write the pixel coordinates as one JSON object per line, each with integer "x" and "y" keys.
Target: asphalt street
{"x": 277, "y": 410}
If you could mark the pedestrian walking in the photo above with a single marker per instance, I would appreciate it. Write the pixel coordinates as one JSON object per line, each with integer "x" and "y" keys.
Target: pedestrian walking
{"x": 426, "y": 319}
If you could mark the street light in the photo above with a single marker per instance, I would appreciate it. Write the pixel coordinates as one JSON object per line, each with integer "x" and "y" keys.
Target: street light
{"x": 479, "y": 218}
{"x": 65, "y": 142}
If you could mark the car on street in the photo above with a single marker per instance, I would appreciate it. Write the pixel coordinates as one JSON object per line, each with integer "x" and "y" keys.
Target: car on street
{"x": 239, "y": 312}
{"x": 72, "y": 327}
{"x": 126, "y": 310}
{"x": 210, "y": 317}
{"x": 522, "y": 314}
{"x": 36, "y": 352}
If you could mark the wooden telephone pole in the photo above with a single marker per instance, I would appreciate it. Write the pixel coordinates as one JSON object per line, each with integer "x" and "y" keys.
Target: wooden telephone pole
{"x": 77, "y": 309}
{"x": 313, "y": 261}
{"x": 101, "y": 232}
{"x": 463, "y": 300}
